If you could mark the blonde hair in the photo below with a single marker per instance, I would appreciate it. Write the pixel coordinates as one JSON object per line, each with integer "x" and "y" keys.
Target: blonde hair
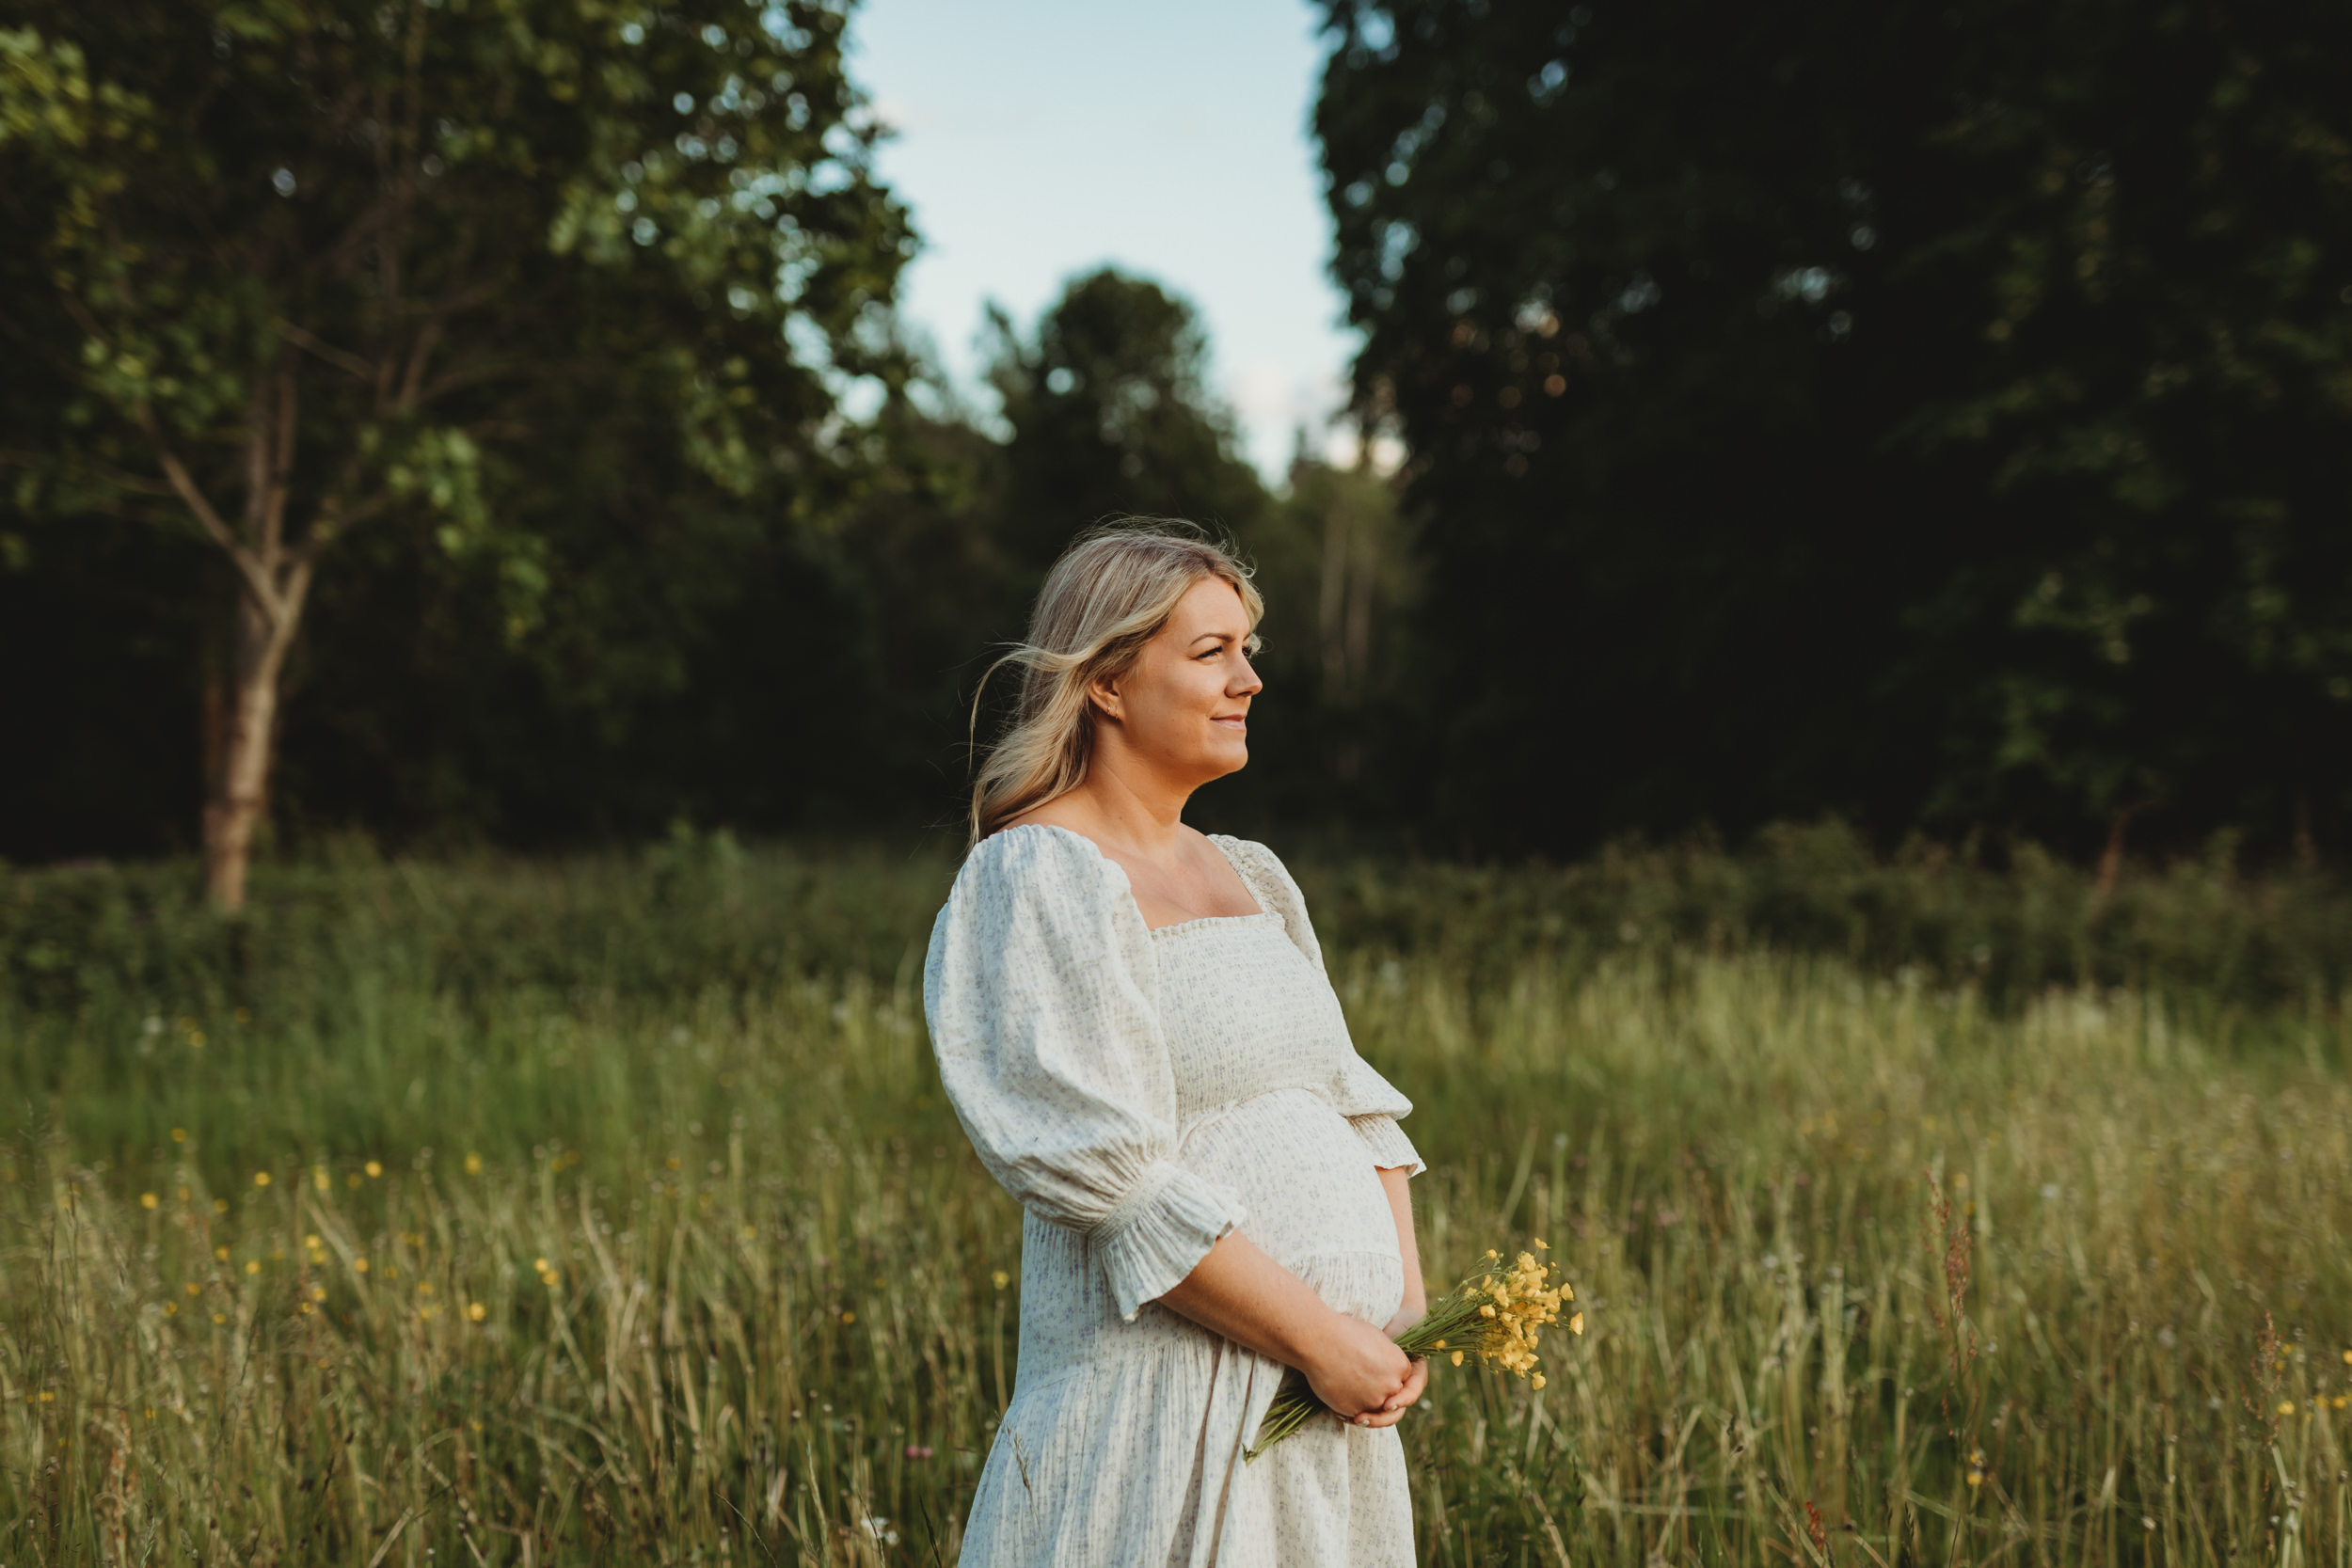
{"x": 1109, "y": 594}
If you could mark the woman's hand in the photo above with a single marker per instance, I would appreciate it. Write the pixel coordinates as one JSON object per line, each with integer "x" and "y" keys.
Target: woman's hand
{"x": 1399, "y": 1402}
{"x": 1358, "y": 1371}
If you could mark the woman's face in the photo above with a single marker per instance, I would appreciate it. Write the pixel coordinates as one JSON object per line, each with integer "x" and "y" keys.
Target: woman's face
{"x": 1185, "y": 706}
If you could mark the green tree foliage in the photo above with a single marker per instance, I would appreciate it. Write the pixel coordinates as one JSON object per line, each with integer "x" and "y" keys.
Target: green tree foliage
{"x": 1110, "y": 414}
{"x": 551, "y": 300}
{"x": 1331, "y": 747}
{"x": 1940, "y": 414}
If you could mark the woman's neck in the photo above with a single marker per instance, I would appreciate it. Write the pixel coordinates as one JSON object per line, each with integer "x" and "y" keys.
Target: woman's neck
{"x": 1124, "y": 804}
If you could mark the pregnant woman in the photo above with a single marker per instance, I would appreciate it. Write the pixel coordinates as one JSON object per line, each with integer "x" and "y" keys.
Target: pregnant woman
{"x": 1133, "y": 1022}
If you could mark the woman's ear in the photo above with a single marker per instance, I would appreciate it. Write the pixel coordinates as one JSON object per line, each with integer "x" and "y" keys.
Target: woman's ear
{"x": 1104, "y": 694}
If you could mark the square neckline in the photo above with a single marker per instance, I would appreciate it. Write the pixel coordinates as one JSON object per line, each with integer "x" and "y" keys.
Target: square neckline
{"x": 1261, "y": 912}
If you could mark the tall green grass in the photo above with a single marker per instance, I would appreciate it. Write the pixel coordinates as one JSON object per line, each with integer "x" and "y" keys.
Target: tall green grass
{"x": 675, "y": 1260}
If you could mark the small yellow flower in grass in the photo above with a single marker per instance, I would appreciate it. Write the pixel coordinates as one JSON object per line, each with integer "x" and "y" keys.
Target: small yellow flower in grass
{"x": 1456, "y": 1358}
{"x": 473, "y": 1165}
{"x": 359, "y": 1265}
{"x": 194, "y": 1289}
{"x": 171, "y": 1310}
{"x": 318, "y": 1292}
{"x": 320, "y": 1180}
{"x": 312, "y": 1242}
{"x": 252, "y": 1265}
{"x": 374, "y": 1167}
{"x": 220, "y": 1255}
{"x": 179, "y": 1136}
{"x": 1537, "y": 1383}
{"x": 148, "y": 1200}
{"x": 475, "y": 1311}
{"x": 261, "y": 1179}
{"x": 1576, "y": 1323}
{"x": 2347, "y": 1358}
{"x": 848, "y": 1316}
{"x": 2286, "y": 1407}
{"x": 220, "y": 1206}
{"x": 220, "y": 1317}
{"x": 1000, "y": 1280}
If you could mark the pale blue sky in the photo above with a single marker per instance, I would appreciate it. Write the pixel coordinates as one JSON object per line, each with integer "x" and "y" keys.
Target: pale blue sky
{"x": 1038, "y": 139}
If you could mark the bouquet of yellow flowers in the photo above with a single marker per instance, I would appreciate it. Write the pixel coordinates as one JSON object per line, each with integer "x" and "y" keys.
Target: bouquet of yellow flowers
{"x": 1495, "y": 1314}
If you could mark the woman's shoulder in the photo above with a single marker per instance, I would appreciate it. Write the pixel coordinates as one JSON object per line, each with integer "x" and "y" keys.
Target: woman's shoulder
{"x": 1034, "y": 901}
{"x": 1276, "y": 891}
{"x": 1258, "y": 866}
{"x": 1025, "y": 866}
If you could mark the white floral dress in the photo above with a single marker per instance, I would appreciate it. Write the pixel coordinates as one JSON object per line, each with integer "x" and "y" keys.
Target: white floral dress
{"x": 1143, "y": 1093}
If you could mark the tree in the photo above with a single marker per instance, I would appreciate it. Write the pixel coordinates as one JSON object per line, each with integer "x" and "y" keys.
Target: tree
{"x": 1110, "y": 416}
{"x": 1928, "y": 413}
{"x": 444, "y": 270}
{"x": 1335, "y": 564}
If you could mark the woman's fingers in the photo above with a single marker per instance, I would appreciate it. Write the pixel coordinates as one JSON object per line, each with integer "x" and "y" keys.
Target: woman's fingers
{"x": 1410, "y": 1389}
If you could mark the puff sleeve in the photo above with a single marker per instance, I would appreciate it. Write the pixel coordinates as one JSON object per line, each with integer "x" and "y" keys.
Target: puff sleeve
{"x": 1370, "y": 1102}
{"x": 1040, "y": 990}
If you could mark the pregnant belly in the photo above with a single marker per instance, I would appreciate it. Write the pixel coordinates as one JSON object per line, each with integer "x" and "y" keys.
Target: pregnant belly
{"x": 1315, "y": 1202}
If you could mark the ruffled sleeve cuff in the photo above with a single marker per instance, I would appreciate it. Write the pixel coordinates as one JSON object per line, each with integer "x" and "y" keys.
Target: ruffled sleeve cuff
{"x": 1159, "y": 1233}
{"x": 1390, "y": 1149}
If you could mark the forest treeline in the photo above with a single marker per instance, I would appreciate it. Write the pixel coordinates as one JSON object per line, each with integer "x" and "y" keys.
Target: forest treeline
{"x": 487, "y": 420}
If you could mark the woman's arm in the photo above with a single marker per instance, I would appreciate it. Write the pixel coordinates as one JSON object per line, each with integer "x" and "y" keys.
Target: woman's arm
{"x": 1240, "y": 1292}
{"x": 1396, "y": 1182}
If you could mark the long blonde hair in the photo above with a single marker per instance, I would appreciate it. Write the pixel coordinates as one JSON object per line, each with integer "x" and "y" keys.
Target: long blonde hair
{"x": 1109, "y": 594}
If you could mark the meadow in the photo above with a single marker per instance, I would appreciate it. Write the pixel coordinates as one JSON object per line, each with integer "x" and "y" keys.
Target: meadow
{"x": 607, "y": 1210}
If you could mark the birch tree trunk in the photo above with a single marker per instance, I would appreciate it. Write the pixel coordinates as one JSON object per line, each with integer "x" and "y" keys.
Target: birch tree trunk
{"x": 273, "y": 581}
{"x": 238, "y": 796}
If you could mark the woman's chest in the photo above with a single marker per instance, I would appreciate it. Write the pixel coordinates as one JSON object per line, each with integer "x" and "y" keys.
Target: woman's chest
{"x": 1245, "y": 1014}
